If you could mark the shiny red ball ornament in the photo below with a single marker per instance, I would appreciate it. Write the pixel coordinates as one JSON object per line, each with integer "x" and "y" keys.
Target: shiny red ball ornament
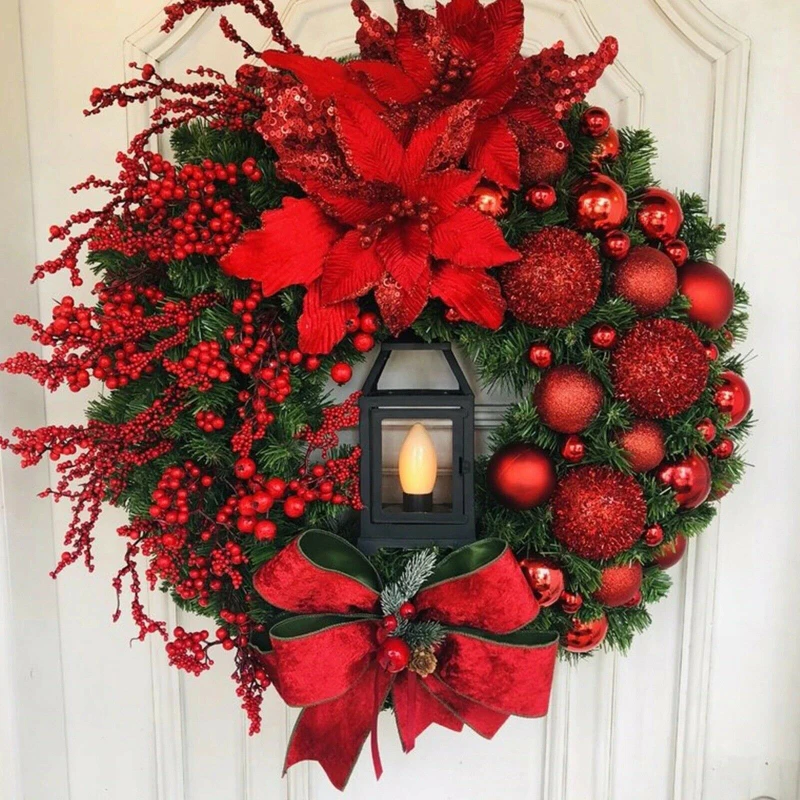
{"x": 573, "y": 449}
{"x": 545, "y": 578}
{"x": 598, "y": 512}
{"x": 616, "y": 245}
{"x": 489, "y": 199}
{"x": 647, "y": 279}
{"x": 689, "y": 478}
{"x": 660, "y": 215}
{"x": 595, "y": 121}
{"x": 244, "y": 468}
{"x": 654, "y": 535}
{"x": 363, "y": 342}
{"x": 724, "y": 449}
{"x": 607, "y": 147}
{"x": 583, "y": 637}
{"x": 603, "y": 336}
{"x": 668, "y": 555}
{"x": 568, "y": 399}
{"x": 571, "y": 602}
{"x": 294, "y": 507}
{"x": 394, "y": 655}
{"x": 710, "y": 293}
{"x": 712, "y": 353}
{"x": 541, "y": 196}
{"x": 555, "y": 282}
{"x": 733, "y": 398}
{"x": 601, "y": 204}
{"x": 521, "y": 476}
{"x": 540, "y": 355}
{"x": 643, "y": 444}
{"x": 677, "y": 251}
{"x": 341, "y": 373}
{"x": 619, "y": 585}
{"x": 707, "y": 429}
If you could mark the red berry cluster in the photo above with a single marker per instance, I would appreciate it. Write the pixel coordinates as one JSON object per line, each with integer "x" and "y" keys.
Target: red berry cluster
{"x": 363, "y": 329}
{"x": 335, "y": 481}
{"x": 189, "y": 651}
{"x": 175, "y": 491}
{"x": 254, "y": 499}
{"x": 334, "y": 419}
{"x": 200, "y": 368}
{"x": 209, "y": 422}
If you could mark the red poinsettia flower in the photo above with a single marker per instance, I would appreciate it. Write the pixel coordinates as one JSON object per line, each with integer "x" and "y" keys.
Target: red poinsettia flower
{"x": 393, "y": 220}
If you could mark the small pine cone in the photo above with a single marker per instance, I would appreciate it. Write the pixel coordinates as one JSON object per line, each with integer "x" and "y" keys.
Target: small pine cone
{"x": 423, "y": 661}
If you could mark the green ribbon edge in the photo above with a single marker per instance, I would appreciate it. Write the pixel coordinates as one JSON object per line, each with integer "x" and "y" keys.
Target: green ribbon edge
{"x": 332, "y": 553}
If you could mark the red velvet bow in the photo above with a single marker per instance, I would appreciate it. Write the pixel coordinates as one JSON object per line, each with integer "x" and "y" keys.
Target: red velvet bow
{"x": 325, "y": 661}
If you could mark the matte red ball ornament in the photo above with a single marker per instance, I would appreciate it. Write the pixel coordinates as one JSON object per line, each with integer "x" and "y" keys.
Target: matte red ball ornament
{"x": 489, "y": 199}
{"x": 733, "y": 398}
{"x": 600, "y": 204}
{"x": 603, "y": 336}
{"x": 710, "y": 293}
{"x": 394, "y": 655}
{"x": 521, "y": 476}
{"x": 556, "y": 281}
{"x": 647, "y": 279}
{"x": 668, "y": 555}
{"x": 660, "y": 368}
{"x": 341, "y": 373}
{"x": 568, "y": 399}
{"x": 545, "y": 578}
{"x": 677, "y": 251}
{"x": 619, "y": 585}
{"x": 598, "y": 512}
{"x": 540, "y": 355}
{"x": 660, "y": 215}
{"x": 541, "y": 196}
{"x": 571, "y": 602}
{"x": 616, "y": 245}
{"x": 689, "y": 478}
{"x": 573, "y": 449}
{"x": 595, "y": 121}
{"x": 607, "y": 147}
{"x": 583, "y": 637}
{"x": 654, "y": 535}
{"x": 643, "y": 444}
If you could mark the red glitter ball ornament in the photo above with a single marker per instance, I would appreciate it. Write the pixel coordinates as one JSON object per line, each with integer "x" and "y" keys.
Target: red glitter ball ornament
{"x": 556, "y": 281}
{"x": 660, "y": 215}
{"x": 601, "y": 204}
{"x": 583, "y": 637}
{"x": 598, "y": 512}
{"x": 541, "y": 162}
{"x": 643, "y": 445}
{"x": 660, "y": 368}
{"x": 521, "y": 476}
{"x": 733, "y": 398}
{"x": 710, "y": 293}
{"x": 647, "y": 278}
{"x": 619, "y": 585}
{"x": 568, "y": 399}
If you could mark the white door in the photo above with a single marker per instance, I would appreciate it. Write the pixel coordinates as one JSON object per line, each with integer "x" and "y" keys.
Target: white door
{"x": 706, "y": 705}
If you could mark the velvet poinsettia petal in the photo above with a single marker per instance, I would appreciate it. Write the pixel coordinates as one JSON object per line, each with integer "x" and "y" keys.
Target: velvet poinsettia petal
{"x": 399, "y": 308}
{"x": 495, "y": 152}
{"x": 288, "y": 249}
{"x": 370, "y": 147}
{"x": 405, "y": 251}
{"x": 415, "y": 29}
{"x": 322, "y": 327}
{"x": 350, "y": 270}
{"x": 447, "y": 189}
{"x": 387, "y": 82}
{"x": 471, "y": 239}
{"x": 473, "y": 293}
{"x": 507, "y": 22}
{"x": 349, "y": 207}
{"x": 466, "y": 25}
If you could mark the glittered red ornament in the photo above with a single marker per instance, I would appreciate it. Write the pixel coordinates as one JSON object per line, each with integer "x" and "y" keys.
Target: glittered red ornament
{"x": 540, "y": 355}
{"x": 603, "y": 336}
{"x": 595, "y": 121}
{"x": 521, "y": 476}
{"x": 571, "y": 602}
{"x": 556, "y": 281}
{"x": 660, "y": 215}
{"x": 541, "y": 162}
{"x": 710, "y": 293}
{"x": 647, "y": 278}
{"x": 583, "y": 637}
{"x": 689, "y": 478}
{"x": 341, "y": 373}
{"x": 573, "y": 449}
{"x": 643, "y": 444}
{"x": 677, "y": 251}
{"x": 619, "y": 585}
{"x": 598, "y": 512}
{"x": 546, "y": 579}
{"x": 607, "y": 147}
{"x": 489, "y": 199}
{"x": 541, "y": 196}
{"x": 600, "y": 204}
{"x": 568, "y": 399}
{"x": 668, "y": 555}
{"x": 660, "y": 368}
{"x": 616, "y": 245}
{"x": 394, "y": 655}
{"x": 733, "y": 398}
{"x": 654, "y": 535}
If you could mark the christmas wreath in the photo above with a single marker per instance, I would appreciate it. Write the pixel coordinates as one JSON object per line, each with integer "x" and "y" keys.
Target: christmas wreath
{"x": 311, "y": 210}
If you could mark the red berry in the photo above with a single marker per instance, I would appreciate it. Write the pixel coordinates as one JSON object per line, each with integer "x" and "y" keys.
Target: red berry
{"x": 265, "y": 530}
{"x": 407, "y": 610}
{"x": 341, "y": 373}
{"x": 369, "y": 322}
{"x": 294, "y": 507}
{"x": 540, "y": 355}
{"x": 390, "y": 623}
{"x": 394, "y": 655}
{"x": 363, "y": 342}
{"x": 244, "y": 468}
{"x": 276, "y": 487}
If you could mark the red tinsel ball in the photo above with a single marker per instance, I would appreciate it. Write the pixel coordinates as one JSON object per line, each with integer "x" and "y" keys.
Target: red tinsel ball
{"x": 733, "y": 398}
{"x": 619, "y": 585}
{"x": 600, "y": 204}
{"x": 521, "y": 476}
{"x": 710, "y": 293}
{"x": 541, "y": 162}
{"x": 556, "y": 281}
{"x": 647, "y": 278}
{"x": 585, "y": 636}
{"x": 643, "y": 445}
{"x": 660, "y": 368}
{"x": 568, "y": 399}
{"x": 598, "y": 512}
{"x": 660, "y": 215}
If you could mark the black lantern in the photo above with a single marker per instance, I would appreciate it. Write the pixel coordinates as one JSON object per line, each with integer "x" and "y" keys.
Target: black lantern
{"x": 417, "y": 481}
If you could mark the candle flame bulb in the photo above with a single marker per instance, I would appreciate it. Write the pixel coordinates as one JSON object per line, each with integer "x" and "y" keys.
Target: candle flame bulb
{"x": 417, "y": 467}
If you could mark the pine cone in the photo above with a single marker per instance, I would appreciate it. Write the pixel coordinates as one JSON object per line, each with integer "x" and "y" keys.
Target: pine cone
{"x": 423, "y": 661}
